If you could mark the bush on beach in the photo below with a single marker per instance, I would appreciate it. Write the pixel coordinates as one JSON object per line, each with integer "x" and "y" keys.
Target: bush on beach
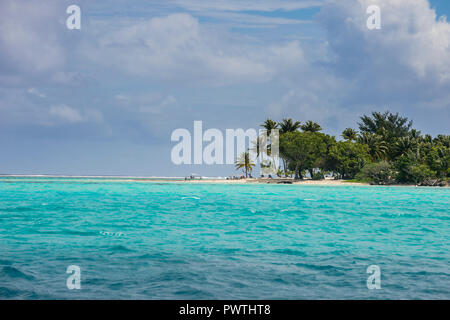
{"x": 380, "y": 173}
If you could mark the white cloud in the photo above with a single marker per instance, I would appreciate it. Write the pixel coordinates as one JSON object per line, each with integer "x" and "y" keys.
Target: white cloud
{"x": 159, "y": 106}
{"x": 318, "y": 96}
{"x": 35, "y": 92}
{"x": 244, "y": 20}
{"x": 68, "y": 114}
{"x": 151, "y": 103}
{"x": 411, "y": 40}
{"x": 30, "y": 37}
{"x": 179, "y": 48}
{"x": 247, "y": 5}
{"x": 403, "y": 67}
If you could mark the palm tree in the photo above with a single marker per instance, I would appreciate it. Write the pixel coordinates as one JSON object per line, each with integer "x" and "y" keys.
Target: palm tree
{"x": 428, "y": 138}
{"x": 415, "y": 134}
{"x": 269, "y": 125}
{"x": 377, "y": 146}
{"x": 349, "y": 134}
{"x": 443, "y": 161}
{"x": 244, "y": 162}
{"x": 404, "y": 145}
{"x": 311, "y": 126}
{"x": 263, "y": 140}
{"x": 288, "y": 125}
{"x": 443, "y": 139}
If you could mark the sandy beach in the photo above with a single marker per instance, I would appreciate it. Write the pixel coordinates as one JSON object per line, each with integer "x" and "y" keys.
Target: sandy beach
{"x": 203, "y": 180}
{"x": 326, "y": 182}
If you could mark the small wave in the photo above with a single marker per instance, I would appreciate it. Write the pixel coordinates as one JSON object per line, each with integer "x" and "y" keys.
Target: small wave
{"x": 79, "y": 233}
{"x": 320, "y": 267}
{"x": 12, "y": 272}
{"x": 5, "y": 262}
{"x": 116, "y": 286}
{"x": 121, "y": 249}
{"x": 294, "y": 211}
{"x": 19, "y": 209}
{"x": 195, "y": 198}
{"x": 7, "y": 293}
{"x": 291, "y": 252}
{"x": 428, "y": 230}
{"x": 112, "y": 234}
{"x": 193, "y": 293}
{"x": 151, "y": 256}
{"x": 426, "y": 273}
{"x": 233, "y": 232}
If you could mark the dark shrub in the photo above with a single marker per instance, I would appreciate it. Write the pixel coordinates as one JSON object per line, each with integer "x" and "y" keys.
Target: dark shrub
{"x": 318, "y": 176}
{"x": 378, "y": 173}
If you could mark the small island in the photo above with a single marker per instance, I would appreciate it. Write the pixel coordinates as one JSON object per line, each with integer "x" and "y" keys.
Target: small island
{"x": 386, "y": 150}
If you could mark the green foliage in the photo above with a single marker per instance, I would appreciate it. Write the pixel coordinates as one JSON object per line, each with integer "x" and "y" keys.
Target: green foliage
{"x": 411, "y": 171}
{"x": 404, "y": 145}
{"x": 437, "y": 157}
{"x": 349, "y": 134}
{"x": 387, "y": 150}
{"x": 379, "y": 173}
{"x": 422, "y": 159}
{"x": 419, "y": 173}
{"x": 318, "y": 176}
{"x": 244, "y": 162}
{"x": 269, "y": 125}
{"x": 303, "y": 150}
{"x": 386, "y": 124}
{"x": 280, "y": 173}
{"x": 288, "y": 125}
{"x": 388, "y": 128}
{"x": 311, "y": 126}
{"x": 377, "y": 147}
{"x": 347, "y": 158}
{"x": 402, "y": 165}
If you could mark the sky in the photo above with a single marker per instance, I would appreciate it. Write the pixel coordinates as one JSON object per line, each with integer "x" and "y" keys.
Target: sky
{"x": 105, "y": 99}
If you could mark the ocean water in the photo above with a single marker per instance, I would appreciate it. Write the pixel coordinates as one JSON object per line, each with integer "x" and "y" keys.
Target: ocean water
{"x": 135, "y": 240}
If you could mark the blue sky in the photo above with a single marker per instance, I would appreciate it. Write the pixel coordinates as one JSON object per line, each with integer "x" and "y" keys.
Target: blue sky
{"x": 442, "y": 7}
{"x": 105, "y": 99}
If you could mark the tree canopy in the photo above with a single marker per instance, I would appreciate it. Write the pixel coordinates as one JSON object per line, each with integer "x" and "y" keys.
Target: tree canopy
{"x": 386, "y": 149}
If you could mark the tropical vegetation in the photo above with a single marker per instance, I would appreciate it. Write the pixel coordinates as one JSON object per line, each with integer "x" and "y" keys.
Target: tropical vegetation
{"x": 385, "y": 149}
{"x": 245, "y": 163}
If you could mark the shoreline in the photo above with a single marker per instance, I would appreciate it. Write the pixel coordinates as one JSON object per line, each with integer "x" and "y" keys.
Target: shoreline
{"x": 206, "y": 180}
{"x": 326, "y": 182}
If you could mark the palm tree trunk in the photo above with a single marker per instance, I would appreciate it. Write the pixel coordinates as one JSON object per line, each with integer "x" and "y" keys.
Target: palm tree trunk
{"x": 298, "y": 172}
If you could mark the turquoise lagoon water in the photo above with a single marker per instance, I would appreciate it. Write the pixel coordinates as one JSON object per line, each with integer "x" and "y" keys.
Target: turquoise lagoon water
{"x": 135, "y": 240}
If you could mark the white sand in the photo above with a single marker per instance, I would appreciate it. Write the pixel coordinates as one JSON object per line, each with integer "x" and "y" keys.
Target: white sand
{"x": 326, "y": 182}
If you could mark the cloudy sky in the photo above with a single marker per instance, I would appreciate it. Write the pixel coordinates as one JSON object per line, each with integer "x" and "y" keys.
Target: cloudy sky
{"x": 105, "y": 99}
